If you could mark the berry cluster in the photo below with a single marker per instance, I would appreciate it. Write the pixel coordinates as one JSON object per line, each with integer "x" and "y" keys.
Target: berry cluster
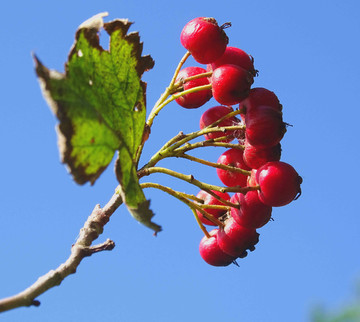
{"x": 253, "y": 164}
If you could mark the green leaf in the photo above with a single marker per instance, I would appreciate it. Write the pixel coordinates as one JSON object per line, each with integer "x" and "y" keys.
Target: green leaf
{"x": 101, "y": 106}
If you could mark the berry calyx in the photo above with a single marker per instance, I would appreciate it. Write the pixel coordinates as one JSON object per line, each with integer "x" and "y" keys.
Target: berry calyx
{"x": 234, "y": 56}
{"x": 211, "y": 200}
{"x": 204, "y": 39}
{"x": 211, "y": 252}
{"x": 231, "y": 84}
{"x": 279, "y": 183}
{"x": 212, "y": 115}
{"x": 196, "y": 99}
{"x": 234, "y": 158}
{"x": 252, "y": 212}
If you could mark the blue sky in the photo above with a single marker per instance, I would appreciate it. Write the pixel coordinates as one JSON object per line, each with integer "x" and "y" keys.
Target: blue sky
{"x": 307, "y": 53}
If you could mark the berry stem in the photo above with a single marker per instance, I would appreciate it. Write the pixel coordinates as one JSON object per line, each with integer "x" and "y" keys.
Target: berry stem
{"x": 214, "y": 165}
{"x": 206, "y": 130}
{"x": 179, "y": 66}
{"x": 201, "y": 225}
{"x": 175, "y": 139}
{"x": 155, "y": 111}
{"x": 177, "y": 95}
{"x": 211, "y": 142}
{"x": 226, "y": 25}
{"x": 183, "y": 197}
{"x": 202, "y": 185}
{"x": 215, "y": 207}
{"x": 173, "y": 146}
{"x": 231, "y": 114}
{"x": 180, "y": 83}
{"x": 159, "y": 155}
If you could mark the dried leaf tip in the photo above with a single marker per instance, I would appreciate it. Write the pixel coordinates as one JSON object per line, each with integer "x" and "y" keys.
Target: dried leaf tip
{"x": 95, "y": 22}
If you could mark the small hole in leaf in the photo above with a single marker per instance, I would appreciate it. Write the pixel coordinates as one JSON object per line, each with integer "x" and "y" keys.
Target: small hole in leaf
{"x": 80, "y": 53}
{"x": 90, "y": 82}
{"x": 137, "y": 107}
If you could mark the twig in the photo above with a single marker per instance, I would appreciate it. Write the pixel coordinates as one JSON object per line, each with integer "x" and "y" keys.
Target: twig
{"x": 82, "y": 248}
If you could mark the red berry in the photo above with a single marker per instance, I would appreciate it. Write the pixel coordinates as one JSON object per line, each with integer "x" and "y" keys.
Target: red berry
{"x": 234, "y": 158}
{"x": 261, "y": 96}
{"x": 264, "y": 126}
{"x": 211, "y": 252}
{"x": 234, "y": 239}
{"x": 204, "y": 39}
{"x": 252, "y": 213}
{"x": 234, "y": 56}
{"x": 197, "y": 99}
{"x": 256, "y": 157}
{"x": 279, "y": 183}
{"x": 212, "y": 115}
{"x": 211, "y": 200}
{"x": 230, "y": 84}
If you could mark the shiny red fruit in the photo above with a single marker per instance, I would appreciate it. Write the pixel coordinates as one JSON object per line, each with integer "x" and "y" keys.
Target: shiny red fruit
{"x": 231, "y": 84}
{"x": 252, "y": 212}
{"x": 234, "y": 56}
{"x": 279, "y": 183}
{"x": 234, "y": 158}
{"x": 211, "y": 252}
{"x": 197, "y": 99}
{"x": 264, "y": 126}
{"x": 212, "y": 115}
{"x": 256, "y": 157}
{"x": 261, "y": 96}
{"x": 234, "y": 239}
{"x": 204, "y": 39}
